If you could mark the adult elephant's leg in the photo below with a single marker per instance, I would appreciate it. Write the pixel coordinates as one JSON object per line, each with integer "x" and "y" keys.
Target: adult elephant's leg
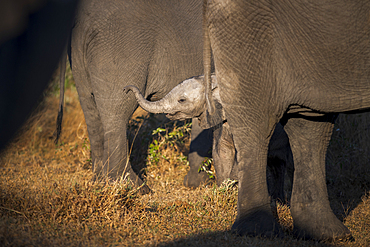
{"x": 310, "y": 208}
{"x": 96, "y": 134}
{"x": 243, "y": 49}
{"x": 251, "y": 140}
{"x": 92, "y": 116}
{"x": 200, "y": 147}
{"x": 115, "y": 113}
{"x": 223, "y": 153}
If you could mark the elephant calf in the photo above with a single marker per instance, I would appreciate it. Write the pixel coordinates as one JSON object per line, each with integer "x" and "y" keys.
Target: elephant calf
{"x": 187, "y": 100}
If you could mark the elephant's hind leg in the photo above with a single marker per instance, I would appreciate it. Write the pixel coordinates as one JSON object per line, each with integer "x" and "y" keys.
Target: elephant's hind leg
{"x": 310, "y": 208}
{"x": 95, "y": 130}
{"x": 223, "y": 154}
{"x": 92, "y": 117}
{"x": 255, "y": 217}
{"x": 116, "y": 164}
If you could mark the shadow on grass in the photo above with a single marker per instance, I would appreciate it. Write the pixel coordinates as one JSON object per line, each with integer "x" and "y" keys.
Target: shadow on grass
{"x": 227, "y": 238}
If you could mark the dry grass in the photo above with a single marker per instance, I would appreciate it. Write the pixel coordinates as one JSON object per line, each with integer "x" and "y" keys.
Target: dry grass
{"x": 47, "y": 199}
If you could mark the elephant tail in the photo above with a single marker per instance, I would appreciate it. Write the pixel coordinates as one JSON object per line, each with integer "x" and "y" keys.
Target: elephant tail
{"x": 207, "y": 61}
{"x": 62, "y": 67}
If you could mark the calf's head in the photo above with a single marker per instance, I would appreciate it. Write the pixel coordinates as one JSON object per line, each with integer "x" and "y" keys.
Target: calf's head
{"x": 186, "y": 100}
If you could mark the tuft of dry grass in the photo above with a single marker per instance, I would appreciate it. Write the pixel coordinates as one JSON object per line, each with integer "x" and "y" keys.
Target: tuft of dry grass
{"x": 47, "y": 197}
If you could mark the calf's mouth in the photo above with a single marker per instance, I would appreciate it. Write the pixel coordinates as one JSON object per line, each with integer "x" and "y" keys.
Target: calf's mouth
{"x": 178, "y": 115}
{"x": 174, "y": 116}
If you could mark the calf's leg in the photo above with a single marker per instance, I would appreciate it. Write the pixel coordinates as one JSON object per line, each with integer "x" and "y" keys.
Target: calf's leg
{"x": 200, "y": 147}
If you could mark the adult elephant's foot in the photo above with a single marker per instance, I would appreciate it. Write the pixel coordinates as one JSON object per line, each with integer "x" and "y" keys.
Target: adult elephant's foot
{"x": 316, "y": 223}
{"x": 260, "y": 223}
{"x": 194, "y": 178}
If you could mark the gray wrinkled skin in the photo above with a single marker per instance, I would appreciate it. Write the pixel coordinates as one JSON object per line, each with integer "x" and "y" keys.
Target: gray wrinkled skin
{"x": 187, "y": 100}
{"x": 153, "y": 45}
{"x": 296, "y": 62}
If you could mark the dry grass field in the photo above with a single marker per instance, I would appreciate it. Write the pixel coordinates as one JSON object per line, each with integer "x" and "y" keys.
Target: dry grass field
{"x": 47, "y": 199}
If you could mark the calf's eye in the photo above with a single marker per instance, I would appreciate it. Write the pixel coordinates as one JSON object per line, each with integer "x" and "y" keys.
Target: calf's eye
{"x": 181, "y": 100}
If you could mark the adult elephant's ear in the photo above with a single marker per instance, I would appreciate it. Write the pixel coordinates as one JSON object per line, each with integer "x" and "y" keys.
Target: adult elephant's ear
{"x": 207, "y": 62}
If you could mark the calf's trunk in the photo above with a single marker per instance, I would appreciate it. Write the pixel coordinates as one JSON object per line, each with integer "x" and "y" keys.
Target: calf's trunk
{"x": 159, "y": 106}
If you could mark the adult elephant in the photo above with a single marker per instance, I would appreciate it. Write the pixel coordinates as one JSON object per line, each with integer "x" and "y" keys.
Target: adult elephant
{"x": 153, "y": 45}
{"x": 301, "y": 62}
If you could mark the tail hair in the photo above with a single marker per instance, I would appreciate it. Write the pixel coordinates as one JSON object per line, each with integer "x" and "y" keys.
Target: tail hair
{"x": 59, "y": 125}
{"x": 62, "y": 65}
